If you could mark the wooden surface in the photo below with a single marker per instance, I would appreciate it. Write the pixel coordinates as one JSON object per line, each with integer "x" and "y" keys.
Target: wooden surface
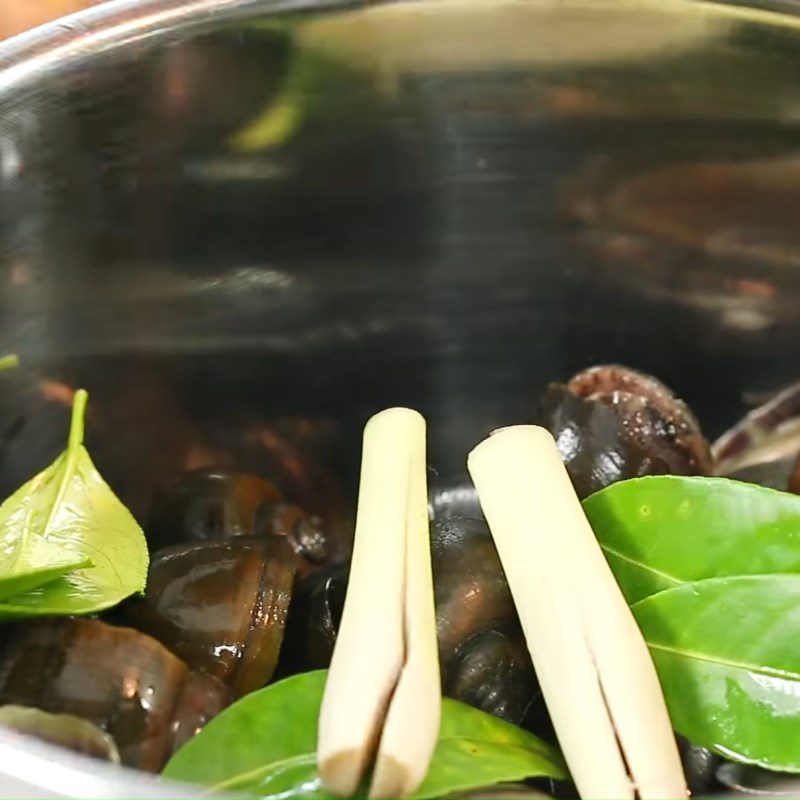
{"x": 19, "y": 15}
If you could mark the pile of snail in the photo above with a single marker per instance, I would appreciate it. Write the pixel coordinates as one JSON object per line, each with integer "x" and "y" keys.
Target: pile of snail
{"x": 249, "y": 585}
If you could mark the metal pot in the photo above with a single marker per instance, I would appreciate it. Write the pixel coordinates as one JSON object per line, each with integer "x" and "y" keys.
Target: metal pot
{"x": 322, "y": 208}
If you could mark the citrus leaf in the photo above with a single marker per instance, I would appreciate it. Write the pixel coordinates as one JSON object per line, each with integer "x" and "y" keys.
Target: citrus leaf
{"x": 658, "y": 532}
{"x": 69, "y": 545}
{"x": 727, "y": 656}
{"x": 265, "y": 744}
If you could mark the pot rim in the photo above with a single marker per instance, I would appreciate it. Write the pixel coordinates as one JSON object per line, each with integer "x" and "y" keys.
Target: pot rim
{"x": 32, "y": 768}
{"x": 26, "y": 57}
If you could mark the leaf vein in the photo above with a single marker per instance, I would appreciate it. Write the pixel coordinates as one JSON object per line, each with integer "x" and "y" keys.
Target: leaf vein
{"x": 264, "y": 770}
{"x": 758, "y": 669}
{"x": 641, "y": 565}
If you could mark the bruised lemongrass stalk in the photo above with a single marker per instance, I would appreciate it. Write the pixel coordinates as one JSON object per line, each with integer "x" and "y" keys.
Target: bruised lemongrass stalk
{"x": 412, "y": 724}
{"x": 382, "y": 698}
{"x": 598, "y": 679}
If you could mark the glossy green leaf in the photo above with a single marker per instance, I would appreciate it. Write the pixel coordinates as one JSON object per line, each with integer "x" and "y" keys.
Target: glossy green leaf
{"x": 728, "y": 656}
{"x": 659, "y": 532}
{"x": 265, "y": 744}
{"x": 70, "y": 546}
{"x": 9, "y": 362}
{"x": 33, "y": 550}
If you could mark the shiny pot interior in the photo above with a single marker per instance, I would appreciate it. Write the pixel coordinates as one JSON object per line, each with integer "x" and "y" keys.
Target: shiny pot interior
{"x": 215, "y": 215}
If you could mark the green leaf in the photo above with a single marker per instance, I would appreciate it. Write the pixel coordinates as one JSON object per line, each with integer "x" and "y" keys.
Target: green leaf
{"x": 71, "y": 546}
{"x": 476, "y": 749}
{"x": 659, "y": 532}
{"x": 265, "y": 744}
{"x": 727, "y": 654}
{"x": 33, "y": 549}
{"x": 9, "y": 362}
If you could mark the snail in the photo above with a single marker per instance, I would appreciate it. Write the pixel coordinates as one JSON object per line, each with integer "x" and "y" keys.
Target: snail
{"x": 121, "y": 680}
{"x": 221, "y": 606}
{"x": 215, "y": 504}
{"x": 612, "y": 423}
{"x": 484, "y": 661}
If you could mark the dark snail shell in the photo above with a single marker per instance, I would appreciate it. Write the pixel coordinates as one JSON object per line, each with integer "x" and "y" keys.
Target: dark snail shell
{"x": 305, "y": 533}
{"x": 612, "y": 423}
{"x": 592, "y": 442}
{"x": 209, "y": 505}
{"x": 699, "y": 766}
{"x": 201, "y": 699}
{"x": 221, "y": 606}
{"x": 482, "y": 651}
{"x": 215, "y": 504}
{"x": 470, "y": 586}
{"x": 123, "y": 681}
{"x": 654, "y": 416}
{"x": 64, "y": 730}
{"x": 492, "y": 670}
{"x": 483, "y": 657}
{"x": 314, "y": 618}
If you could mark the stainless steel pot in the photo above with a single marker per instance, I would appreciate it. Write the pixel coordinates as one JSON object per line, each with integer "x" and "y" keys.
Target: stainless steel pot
{"x": 323, "y": 208}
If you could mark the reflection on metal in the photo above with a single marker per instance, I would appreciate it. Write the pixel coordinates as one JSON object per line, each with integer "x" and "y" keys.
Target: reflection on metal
{"x": 34, "y": 769}
{"x": 232, "y": 170}
{"x": 719, "y": 235}
{"x": 10, "y": 161}
{"x": 115, "y": 24}
{"x": 422, "y": 36}
{"x": 749, "y": 781}
{"x": 727, "y": 209}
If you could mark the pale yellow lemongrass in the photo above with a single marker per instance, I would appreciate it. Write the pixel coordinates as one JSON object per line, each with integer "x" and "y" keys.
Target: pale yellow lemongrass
{"x": 386, "y": 647}
{"x": 596, "y": 674}
{"x": 412, "y": 723}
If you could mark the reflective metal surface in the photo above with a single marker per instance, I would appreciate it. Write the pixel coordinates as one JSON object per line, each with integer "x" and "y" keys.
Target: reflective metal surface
{"x": 217, "y": 212}
{"x": 32, "y": 769}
